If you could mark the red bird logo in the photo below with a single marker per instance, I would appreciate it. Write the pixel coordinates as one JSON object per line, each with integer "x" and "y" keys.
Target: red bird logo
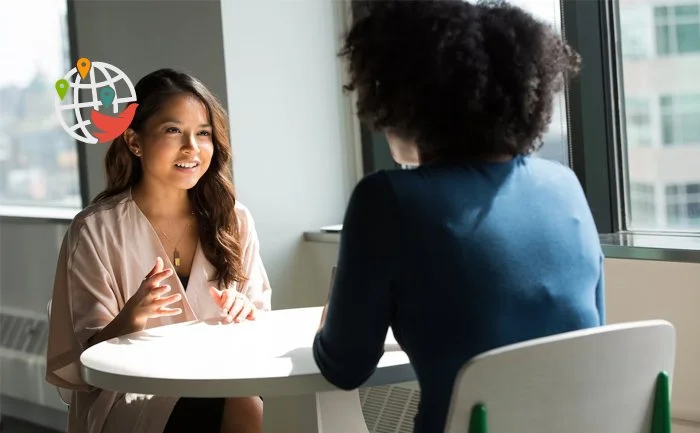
{"x": 112, "y": 127}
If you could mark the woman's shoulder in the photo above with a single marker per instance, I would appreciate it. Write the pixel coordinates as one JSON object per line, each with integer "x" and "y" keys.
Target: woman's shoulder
{"x": 246, "y": 222}
{"x": 103, "y": 213}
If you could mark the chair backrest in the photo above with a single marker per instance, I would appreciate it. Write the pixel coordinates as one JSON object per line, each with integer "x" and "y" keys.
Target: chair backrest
{"x": 64, "y": 394}
{"x": 601, "y": 379}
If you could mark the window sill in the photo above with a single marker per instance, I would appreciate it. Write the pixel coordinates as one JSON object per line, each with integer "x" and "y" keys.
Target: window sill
{"x": 38, "y": 213}
{"x": 683, "y": 248}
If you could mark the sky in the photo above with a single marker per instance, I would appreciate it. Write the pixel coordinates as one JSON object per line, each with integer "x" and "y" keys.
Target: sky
{"x": 30, "y": 36}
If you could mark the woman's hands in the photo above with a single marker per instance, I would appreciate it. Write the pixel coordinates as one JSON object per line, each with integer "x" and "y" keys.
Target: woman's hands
{"x": 148, "y": 302}
{"x": 236, "y": 306}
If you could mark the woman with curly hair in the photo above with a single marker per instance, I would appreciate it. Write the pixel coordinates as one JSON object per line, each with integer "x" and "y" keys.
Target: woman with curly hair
{"x": 165, "y": 242}
{"x": 484, "y": 244}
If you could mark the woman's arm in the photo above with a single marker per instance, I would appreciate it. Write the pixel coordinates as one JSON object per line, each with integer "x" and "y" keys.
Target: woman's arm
{"x": 351, "y": 339}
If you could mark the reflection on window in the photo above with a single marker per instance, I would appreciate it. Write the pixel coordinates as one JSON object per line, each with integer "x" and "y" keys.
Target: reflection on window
{"x": 677, "y": 28}
{"x": 38, "y": 159}
{"x": 679, "y": 119}
{"x": 662, "y": 112}
{"x": 683, "y": 206}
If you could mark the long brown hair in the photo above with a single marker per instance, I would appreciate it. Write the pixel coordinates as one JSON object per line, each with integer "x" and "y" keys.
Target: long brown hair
{"x": 213, "y": 197}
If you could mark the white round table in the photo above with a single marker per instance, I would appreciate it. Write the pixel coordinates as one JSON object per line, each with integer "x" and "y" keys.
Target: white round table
{"x": 270, "y": 357}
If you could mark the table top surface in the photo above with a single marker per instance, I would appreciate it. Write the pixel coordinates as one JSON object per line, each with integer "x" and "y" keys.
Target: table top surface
{"x": 271, "y": 355}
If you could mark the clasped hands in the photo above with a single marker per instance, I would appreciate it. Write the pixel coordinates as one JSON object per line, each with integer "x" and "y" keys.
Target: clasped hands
{"x": 150, "y": 300}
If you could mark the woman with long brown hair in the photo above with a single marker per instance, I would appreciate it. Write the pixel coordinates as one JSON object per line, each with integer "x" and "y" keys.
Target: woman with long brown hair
{"x": 165, "y": 242}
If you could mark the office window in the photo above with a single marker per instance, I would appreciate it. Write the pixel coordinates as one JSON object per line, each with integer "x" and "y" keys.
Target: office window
{"x": 679, "y": 119}
{"x": 642, "y": 204}
{"x": 662, "y": 112}
{"x": 38, "y": 159}
{"x": 639, "y": 123}
{"x": 677, "y": 28}
{"x": 683, "y": 206}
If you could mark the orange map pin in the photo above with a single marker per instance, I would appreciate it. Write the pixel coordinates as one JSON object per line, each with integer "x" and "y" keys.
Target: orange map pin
{"x": 83, "y": 66}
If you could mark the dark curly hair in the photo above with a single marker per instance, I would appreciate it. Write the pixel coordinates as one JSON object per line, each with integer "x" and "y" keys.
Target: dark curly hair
{"x": 465, "y": 81}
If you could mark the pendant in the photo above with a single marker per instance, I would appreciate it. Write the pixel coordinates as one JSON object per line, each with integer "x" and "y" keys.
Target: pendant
{"x": 176, "y": 258}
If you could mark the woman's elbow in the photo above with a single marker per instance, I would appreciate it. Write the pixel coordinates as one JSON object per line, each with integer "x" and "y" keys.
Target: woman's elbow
{"x": 347, "y": 380}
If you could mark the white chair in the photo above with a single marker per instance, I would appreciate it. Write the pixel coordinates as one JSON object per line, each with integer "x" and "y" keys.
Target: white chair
{"x": 63, "y": 394}
{"x": 610, "y": 379}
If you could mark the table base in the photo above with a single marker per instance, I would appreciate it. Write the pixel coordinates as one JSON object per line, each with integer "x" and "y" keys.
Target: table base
{"x": 335, "y": 412}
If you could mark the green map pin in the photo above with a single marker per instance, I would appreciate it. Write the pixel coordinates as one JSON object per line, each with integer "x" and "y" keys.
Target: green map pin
{"x": 62, "y": 88}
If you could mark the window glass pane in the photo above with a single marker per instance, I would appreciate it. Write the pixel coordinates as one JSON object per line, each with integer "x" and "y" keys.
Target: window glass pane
{"x": 686, "y": 11}
{"x": 643, "y": 204}
{"x": 693, "y": 188}
{"x": 639, "y": 126}
{"x": 663, "y": 39}
{"x": 688, "y": 37}
{"x": 38, "y": 159}
{"x": 667, "y": 79}
{"x": 659, "y": 12}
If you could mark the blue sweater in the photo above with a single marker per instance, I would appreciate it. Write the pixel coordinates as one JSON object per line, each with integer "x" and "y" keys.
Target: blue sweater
{"x": 458, "y": 260}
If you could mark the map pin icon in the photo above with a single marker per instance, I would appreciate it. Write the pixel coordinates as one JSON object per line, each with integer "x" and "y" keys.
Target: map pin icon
{"x": 62, "y": 88}
{"x": 83, "y": 66}
{"x": 106, "y": 96}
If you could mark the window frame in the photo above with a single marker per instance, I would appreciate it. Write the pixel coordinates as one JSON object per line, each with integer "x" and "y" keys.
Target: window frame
{"x": 51, "y": 213}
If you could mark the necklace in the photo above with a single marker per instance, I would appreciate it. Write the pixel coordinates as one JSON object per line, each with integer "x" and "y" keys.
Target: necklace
{"x": 176, "y": 253}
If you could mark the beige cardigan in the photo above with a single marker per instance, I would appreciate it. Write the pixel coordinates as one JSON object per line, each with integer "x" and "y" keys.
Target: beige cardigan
{"x": 107, "y": 251}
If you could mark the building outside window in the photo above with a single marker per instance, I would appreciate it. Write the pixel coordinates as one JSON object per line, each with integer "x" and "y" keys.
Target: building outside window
{"x": 677, "y": 28}
{"x": 683, "y": 206}
{"x": 662, "y": 111}
{"x": 38, "y": 159}
{"x": 643, "y": 204}
{"x": 680, "y": 115}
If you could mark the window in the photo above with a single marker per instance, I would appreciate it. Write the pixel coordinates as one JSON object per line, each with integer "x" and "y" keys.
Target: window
{"x": 639, "y": 124}
{"x": 38, "y": 159}
{"x": 643, "y": 204}
{"x": 683, "y": 206}
{"x": 662, "y": 112}
{"x": 679, "y": 119}
{"x": 677, "y": 28}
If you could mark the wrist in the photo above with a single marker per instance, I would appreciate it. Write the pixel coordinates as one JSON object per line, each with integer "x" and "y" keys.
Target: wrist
{"x": 130, "y": 321}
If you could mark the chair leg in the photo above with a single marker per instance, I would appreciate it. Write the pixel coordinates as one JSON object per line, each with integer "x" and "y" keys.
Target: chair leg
{"x": 661, "y": 418}
{"x": 477, "y": 420}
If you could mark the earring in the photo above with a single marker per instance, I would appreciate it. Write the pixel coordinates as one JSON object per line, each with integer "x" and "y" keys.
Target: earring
{"x": 137, "y": 152}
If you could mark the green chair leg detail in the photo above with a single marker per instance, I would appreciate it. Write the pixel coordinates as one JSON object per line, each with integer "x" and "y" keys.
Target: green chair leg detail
{"x": 661, "y": 418}
{"x": 477, "y": 421}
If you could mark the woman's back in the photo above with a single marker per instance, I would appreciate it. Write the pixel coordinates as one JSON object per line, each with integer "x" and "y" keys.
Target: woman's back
{"x": 506, "y": 252}
{"x": 482, "y": 257}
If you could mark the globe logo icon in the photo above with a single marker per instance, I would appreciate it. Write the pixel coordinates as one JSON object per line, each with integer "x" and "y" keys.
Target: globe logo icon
{"x": 94, "y": 101}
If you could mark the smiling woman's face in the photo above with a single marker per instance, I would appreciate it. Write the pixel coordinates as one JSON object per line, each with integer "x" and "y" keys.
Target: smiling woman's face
{"x": 176, "y": 144}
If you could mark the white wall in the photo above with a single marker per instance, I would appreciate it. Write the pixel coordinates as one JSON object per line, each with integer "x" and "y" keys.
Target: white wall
{"x": 638, "y": 290}
{"x": 293, "y": 155}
